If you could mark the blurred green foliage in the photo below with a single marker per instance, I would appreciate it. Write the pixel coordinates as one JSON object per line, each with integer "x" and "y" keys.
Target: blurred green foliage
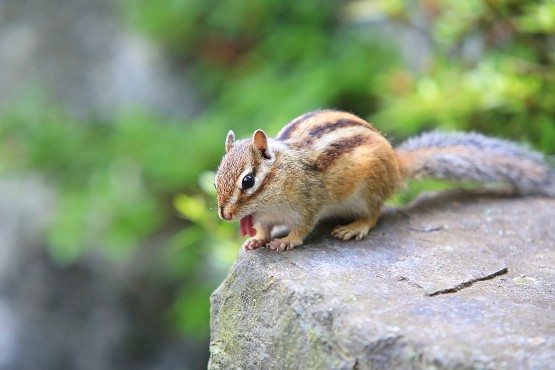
{"x": 491, "y": 70}
{"x": 263, "y": 63}
{"x": 119, "y": 185}
{"x": 123, "y": 182}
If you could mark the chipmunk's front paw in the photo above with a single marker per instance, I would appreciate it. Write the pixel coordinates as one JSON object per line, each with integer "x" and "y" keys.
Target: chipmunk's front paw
{"x": 253, "y": 243}
{"x": 283, "y": 244}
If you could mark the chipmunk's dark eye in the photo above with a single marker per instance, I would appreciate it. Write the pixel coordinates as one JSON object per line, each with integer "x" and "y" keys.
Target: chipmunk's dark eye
{"x": 248, "y": 182}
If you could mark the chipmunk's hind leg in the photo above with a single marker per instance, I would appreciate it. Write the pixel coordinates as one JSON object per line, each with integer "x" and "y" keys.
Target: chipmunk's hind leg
{"x": 359, "y": 228}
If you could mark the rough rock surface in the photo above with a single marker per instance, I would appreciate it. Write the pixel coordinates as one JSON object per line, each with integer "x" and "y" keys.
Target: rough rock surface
{"x": 456, "y": 280}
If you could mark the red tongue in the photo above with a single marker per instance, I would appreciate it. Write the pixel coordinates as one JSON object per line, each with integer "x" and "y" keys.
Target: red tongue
{"x": 246, "y": 226}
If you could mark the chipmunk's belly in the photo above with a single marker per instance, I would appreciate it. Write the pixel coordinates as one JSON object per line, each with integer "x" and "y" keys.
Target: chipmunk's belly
{"x": 355, "y": 205}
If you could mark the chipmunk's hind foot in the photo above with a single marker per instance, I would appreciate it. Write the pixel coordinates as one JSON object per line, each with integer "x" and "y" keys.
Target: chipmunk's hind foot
{"x": 355, "y": 230}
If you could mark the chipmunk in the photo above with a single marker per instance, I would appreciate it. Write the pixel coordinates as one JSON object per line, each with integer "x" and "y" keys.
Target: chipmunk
{"x": 330, "y": 163}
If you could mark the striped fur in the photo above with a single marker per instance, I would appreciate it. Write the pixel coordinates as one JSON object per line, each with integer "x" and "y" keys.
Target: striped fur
{"x": 330, "y": 163}
{"x": 474, "y": 157}
{"x": 324, "y": 163}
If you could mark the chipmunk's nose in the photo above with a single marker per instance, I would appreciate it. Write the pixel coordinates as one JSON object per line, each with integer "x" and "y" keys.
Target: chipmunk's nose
{"x": 225, "y": 216}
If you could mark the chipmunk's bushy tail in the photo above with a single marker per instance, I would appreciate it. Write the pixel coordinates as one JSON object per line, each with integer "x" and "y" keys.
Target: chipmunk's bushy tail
{"x": 475, "y": 157}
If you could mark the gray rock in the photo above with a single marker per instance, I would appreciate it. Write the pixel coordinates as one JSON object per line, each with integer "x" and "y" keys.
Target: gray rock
{"x": 456, "y": 280}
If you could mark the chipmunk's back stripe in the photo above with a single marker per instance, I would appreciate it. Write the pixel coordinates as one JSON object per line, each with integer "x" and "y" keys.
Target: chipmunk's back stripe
{"x": 327, "y": 127}
{"x": 288, "y": 130}
{"x": 335, "y": 150}
{"x": 321, "y": 123}
{"x": 306, "y": 140}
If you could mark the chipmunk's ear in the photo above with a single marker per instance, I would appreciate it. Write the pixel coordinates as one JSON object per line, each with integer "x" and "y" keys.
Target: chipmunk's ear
{"x": 229, "y": 141}
{"x": 260, "y": 142}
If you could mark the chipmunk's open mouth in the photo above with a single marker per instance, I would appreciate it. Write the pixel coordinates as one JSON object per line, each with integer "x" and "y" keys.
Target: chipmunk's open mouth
{"x": 246, "y": 226}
